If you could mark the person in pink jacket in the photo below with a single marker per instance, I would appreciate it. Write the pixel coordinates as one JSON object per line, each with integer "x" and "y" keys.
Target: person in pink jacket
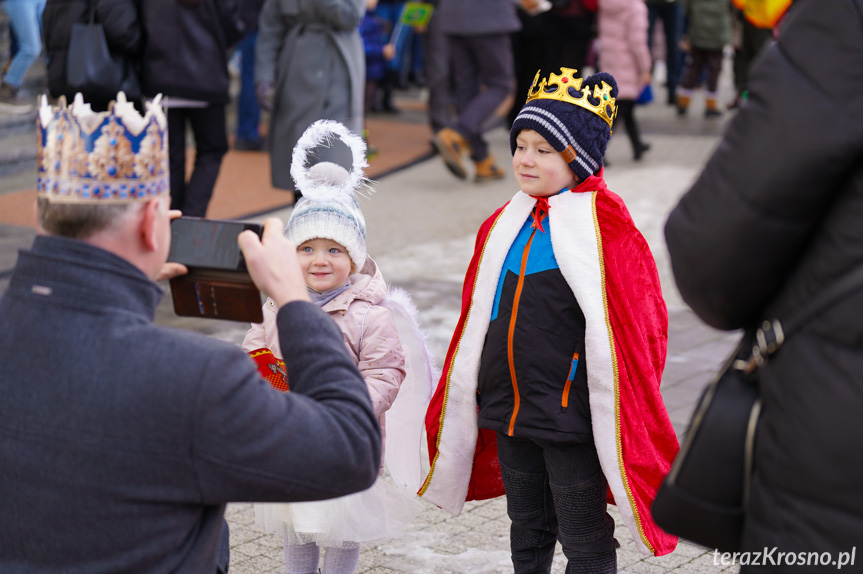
{"x": 328, "y": 229}
{"x": 623, "y": 53}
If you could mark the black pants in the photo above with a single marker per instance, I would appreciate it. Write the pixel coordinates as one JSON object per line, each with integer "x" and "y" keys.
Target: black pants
{"x": 671, "y": 16}
{"x": 211, "y": 144}
{"x": 556, "y": 491}
{"x": 698, "y": 61}
{"x": 626, "y": 112}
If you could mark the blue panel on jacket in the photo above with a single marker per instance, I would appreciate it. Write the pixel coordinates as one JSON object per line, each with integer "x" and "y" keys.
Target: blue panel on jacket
{"x": 541, "y": 256}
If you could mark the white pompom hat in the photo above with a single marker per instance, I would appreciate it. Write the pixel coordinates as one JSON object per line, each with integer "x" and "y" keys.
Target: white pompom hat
{"x": 328, "y": 208}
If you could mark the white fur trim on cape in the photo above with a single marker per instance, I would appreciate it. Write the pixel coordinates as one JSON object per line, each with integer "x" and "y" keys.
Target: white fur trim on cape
{"x": 405, "y": 418}
{"x": 449, "y": 482}
{"x": 319, "y": 133}
{"x": 576, "y": 242}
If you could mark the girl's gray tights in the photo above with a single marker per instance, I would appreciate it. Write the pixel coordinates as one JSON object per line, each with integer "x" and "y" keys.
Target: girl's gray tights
{"x": 304, "y": 558}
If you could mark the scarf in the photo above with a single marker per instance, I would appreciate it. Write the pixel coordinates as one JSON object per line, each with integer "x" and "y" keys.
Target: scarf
{"x": 322, "y": 299}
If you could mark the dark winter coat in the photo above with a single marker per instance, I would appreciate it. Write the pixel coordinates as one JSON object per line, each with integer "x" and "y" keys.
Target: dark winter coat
{"x": 119, "y": 20}
{"x": 777, "y": 215}
{"x": 708, "y": 23}
{"x": 121, "y": 442}
{"x": 532, "y": 379}
{"x": 187, "y": 47}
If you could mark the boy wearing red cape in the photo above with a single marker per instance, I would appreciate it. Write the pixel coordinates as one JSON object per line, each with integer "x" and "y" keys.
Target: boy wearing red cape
{"x": 550, "y": 388}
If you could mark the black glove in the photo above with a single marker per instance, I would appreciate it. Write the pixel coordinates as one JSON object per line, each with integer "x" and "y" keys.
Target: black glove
{"x": 264, "y": 93}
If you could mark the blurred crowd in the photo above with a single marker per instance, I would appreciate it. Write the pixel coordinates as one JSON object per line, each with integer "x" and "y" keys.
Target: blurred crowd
{"x": 345, "y": 59}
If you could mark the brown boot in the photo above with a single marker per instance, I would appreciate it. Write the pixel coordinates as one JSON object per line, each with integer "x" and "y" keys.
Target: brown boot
{"x": 711, "y": 109}
{"x": 487, "y": 170}
{"x": 9, "y": 102}
{"x": 452, "y": 146}
{"x": 682, "y": 104}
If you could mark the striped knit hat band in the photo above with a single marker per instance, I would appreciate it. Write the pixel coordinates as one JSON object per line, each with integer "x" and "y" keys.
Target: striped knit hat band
{"x": 580, "y": 135}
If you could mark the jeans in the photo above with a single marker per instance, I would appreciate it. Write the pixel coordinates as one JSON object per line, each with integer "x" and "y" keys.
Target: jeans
{"x": 672, "y": 26}
{"x": 556, "y": 491}
{"x": 248, "y": 109}
{"x": 25, "y": 17}
{"x": 483, "y": 70}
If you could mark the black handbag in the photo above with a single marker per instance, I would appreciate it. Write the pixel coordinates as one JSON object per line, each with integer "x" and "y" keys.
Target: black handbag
{"x": 705, "y": 494}
{"x": 91, "y": 67}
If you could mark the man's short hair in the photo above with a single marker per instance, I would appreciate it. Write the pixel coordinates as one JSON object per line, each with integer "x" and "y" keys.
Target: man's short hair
{"x": 81, "y": 220}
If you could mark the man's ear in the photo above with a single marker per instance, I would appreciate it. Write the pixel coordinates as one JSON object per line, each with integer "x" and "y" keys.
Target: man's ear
{"x": 149, "y": 221}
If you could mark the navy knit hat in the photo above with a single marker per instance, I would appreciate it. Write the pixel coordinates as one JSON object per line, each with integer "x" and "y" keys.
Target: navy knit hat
{"x": 563, "y": 124}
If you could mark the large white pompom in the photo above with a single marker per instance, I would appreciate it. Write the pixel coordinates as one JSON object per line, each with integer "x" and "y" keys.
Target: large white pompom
{"x": 308, "y": 178}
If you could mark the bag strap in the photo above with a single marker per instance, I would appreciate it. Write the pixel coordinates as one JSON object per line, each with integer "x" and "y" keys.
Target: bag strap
{"x": 772, "y": 334}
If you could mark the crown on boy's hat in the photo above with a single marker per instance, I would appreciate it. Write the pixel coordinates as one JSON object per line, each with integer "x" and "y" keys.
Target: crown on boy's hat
{"x": 329, "y": 208}
{"x": 116, "y": 156}
{"x": 573, "y": 114}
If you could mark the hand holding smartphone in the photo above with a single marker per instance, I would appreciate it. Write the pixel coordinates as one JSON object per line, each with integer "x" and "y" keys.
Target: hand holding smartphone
{"x": 218, "y": 285}
{"x": 273, "y": 264}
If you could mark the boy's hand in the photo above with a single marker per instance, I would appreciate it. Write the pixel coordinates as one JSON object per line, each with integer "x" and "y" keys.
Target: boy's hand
{"x": 272, "y": 263}
{"x": 389, "y": 52}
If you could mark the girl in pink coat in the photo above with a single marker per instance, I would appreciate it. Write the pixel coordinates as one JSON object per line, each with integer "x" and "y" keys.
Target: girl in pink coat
{"x": 623, "y": 53}
{"x": 380, "y": 334}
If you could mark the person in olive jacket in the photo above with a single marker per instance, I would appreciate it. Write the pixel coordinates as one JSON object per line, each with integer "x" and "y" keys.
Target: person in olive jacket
{"x": 119, "y": 20}
{"x": 774, "y": 218}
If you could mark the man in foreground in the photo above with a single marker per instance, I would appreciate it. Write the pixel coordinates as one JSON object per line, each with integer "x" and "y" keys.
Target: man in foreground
{"x": 121, "y": 442}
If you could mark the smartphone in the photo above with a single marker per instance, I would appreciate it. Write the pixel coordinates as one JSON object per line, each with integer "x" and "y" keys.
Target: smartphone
{"x": 218, "y": 286}
{"x": 209, "y": 243}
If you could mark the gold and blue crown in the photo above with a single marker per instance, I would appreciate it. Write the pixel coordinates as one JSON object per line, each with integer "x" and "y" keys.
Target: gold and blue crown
{"x": 567, "y": 88}
{"x": 116, "y": 156}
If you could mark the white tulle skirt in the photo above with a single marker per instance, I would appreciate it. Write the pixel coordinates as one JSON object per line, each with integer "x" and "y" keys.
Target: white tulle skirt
{"x": 376, "y": 514}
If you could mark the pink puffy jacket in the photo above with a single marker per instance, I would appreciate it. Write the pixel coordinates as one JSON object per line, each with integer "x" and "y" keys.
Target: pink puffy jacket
{"x": 623, "y": 50}
{"x": 370, "y": 335}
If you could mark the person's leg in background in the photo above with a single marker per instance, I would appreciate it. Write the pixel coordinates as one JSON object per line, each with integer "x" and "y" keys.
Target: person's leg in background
{"x": 417, "y": 73}
{"x": 211, "y": 144}
{"x": 626, "y": 112}
{"x": 25, "y": 17}
{"x": 671, "y": 15}
{"x": 671, "y": 23}
{"x": 248, "y": 110}
{"x": 713, "y": 63}
{"x": 437, "y": 75}
{"x": 451, "y": 142}
{"x": 177, "y": 155}
{"x": 691, "y": 78}
{"x": 752, "y": 40}
{"x": 13, "y": 48}
{"x": 484, "y": 80}
{"x": 391, "y": 12}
